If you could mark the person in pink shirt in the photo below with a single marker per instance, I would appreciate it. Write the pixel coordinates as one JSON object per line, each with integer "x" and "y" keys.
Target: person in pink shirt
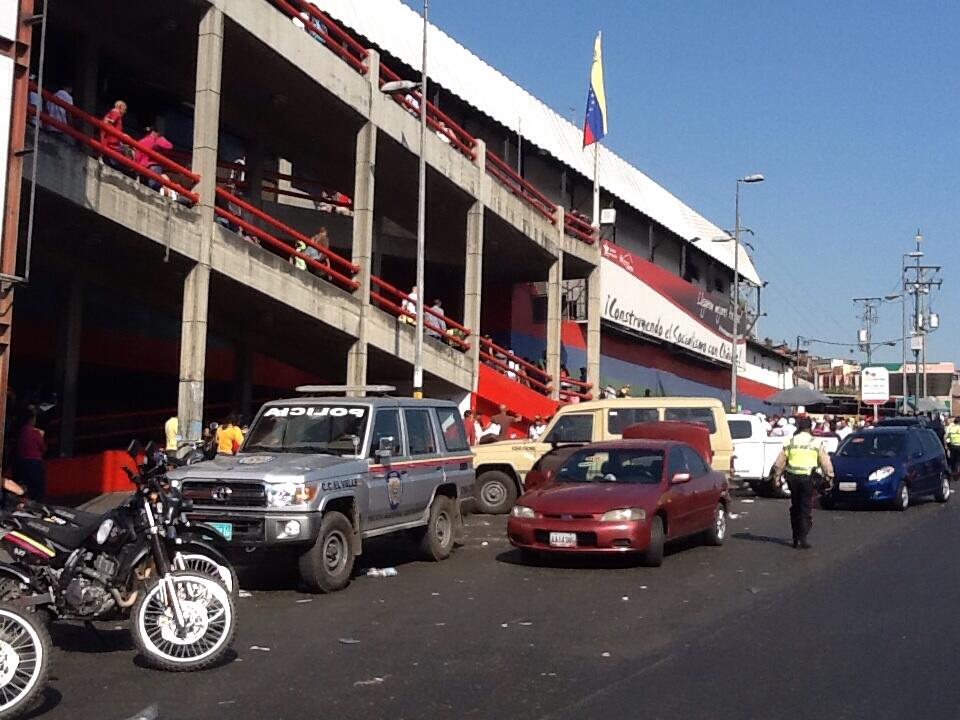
{"x": 155, "y": 141}
{"x": 30, "y": 449}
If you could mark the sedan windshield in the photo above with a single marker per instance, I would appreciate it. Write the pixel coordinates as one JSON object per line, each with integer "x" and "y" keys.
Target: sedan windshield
{"x": 614, "y": 466}
{"x": 330, "y": 429}
{"x": 872, "y": 445}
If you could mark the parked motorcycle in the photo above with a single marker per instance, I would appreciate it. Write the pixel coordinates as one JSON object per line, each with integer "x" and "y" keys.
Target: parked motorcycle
{"x": 24, "y": 660}
{"x": 79, "y": 566}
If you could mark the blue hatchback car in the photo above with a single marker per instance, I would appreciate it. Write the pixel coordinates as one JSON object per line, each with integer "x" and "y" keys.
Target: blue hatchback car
{"x": 890, "y": 465}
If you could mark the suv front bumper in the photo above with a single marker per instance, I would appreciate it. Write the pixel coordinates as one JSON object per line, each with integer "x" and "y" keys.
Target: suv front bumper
{"x": 262, "y": 529}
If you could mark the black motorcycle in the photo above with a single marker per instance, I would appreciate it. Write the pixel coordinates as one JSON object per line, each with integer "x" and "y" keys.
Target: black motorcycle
{"x": 80, "y": 566}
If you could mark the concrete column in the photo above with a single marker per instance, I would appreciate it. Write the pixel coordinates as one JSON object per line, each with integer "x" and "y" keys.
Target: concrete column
{"x": 196, "y": 287}
{"x": 86, "y": 76}
{"x": 473, "y": 269}
{"x": 72, "y": 327}
{"x": 593, "y": 328}
{"x": 473, "y": 284}
{"x": 554, "y": 309}
{"x": 364, "y": 184}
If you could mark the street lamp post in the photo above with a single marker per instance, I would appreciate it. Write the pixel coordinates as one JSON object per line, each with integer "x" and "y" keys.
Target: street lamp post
{"x": 421, "y": 215}
{"x": 755, "y": 178}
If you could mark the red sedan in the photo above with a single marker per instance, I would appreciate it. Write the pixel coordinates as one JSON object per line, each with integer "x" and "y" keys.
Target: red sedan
{"x": 624, "y": 496}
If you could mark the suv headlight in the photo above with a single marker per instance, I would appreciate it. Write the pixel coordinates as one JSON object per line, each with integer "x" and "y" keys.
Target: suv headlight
{"x": 522, "y": 511}
{"x": 882, "y": 473}
{"x": 286, "y": 494}
{"x": 624, "y": 514}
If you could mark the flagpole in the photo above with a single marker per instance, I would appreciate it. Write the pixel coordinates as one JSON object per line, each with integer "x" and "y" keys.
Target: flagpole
{"x": 596, "y": 184}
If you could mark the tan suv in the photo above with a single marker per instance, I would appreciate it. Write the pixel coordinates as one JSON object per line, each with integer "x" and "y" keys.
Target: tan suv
{"x": 502, "y": 466}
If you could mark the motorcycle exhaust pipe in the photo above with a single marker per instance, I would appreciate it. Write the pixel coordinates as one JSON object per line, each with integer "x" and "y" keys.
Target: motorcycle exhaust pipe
{"x": 125, "y": 604}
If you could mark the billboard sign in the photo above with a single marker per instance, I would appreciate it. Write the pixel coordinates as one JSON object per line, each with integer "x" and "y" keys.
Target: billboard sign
{"x": 646, "y": 298}
{"x": 874, "y": 385}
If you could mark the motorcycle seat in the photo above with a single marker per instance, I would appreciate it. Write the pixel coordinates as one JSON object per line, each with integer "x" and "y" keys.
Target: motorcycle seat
{"x": 72, "y": 533}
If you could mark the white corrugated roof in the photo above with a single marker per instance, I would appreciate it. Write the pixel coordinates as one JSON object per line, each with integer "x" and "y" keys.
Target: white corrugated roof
{"x": 396, "y": 28}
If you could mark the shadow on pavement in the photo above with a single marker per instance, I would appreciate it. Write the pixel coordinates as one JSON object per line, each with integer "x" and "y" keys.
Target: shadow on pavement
{"x": 83, "y": 639}
{"x": 763, "y": 538}
{"x": 275, "y": 571}
{"x": 49, "y": 699}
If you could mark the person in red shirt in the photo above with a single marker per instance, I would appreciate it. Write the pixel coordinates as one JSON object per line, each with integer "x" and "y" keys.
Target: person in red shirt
{"x": 31, "y": 446}
{"x": 470, "y": 427}
{"x": 154, "y": 141}
{"x": 114, "y": 118}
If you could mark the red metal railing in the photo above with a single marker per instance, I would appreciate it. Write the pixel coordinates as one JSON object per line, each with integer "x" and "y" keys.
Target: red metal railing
{"x": 271, "y": 180}
{"x": 343, "y": 272}
{"x": 334, "y": 37}
{"x": 508, "y": 177}
{"x": 437, "y": 120}
{"x": 94, "y": 143}
{"x": 569, "y": 389}
{"x": 526, "y": 372}
{"x": 579, "y": 227}
{"x": 391, "y": 299}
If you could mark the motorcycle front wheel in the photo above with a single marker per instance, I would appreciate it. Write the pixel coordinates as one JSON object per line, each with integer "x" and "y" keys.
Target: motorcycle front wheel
{"x": 197, "y": 561}
{"x": 208, "y": 622}
{"x": 24, "y": 660}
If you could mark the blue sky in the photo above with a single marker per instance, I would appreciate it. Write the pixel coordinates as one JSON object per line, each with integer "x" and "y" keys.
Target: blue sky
{"x": 849, "y": 108}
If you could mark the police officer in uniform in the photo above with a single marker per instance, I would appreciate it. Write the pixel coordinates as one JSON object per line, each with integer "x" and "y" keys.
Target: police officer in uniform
{"x": 952, "y": 441}
{"x": 800, "y": 457}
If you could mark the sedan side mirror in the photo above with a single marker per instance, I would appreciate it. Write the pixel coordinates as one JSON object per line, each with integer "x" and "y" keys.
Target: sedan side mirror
{"x": 680, "y": 477}
{"x": 385, "y": 448}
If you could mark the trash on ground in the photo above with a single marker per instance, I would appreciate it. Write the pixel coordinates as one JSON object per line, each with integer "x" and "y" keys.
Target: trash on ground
{"x": 245, "y": 594}
{"x": 348, "y": 641}
{"x": 382, "y": 572}
{"x": 625, "y": 598}
{"x": 440, "y": 624}
{"x": 435, "y": 594}
{"x": 372, "y": 681}
{"x": 748, "y": 500}
{"x": 227, "y": 702}
{"x": 503, "y": 625}
{"x": 261, "y": 649}
{"x": 484, "y": 543}
{"x": 643, "y": 587}
{"x": 604, "y": 654}
{"x": 305, "y": 600}
{"x": 525, "y": 624}
{"x": 733, "y": 515}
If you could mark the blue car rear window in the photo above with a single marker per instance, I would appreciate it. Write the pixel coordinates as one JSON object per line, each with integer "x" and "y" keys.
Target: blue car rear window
{"x": 873, "y": 445}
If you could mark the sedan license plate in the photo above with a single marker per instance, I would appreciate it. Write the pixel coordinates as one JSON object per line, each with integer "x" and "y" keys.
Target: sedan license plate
{"x": 563, "y": 540}
{"x": 848, "y": 486}
{"x": 224, "y": 529}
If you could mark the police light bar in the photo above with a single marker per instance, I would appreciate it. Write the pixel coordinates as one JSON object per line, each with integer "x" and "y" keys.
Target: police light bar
{"x": 338, "y": 389}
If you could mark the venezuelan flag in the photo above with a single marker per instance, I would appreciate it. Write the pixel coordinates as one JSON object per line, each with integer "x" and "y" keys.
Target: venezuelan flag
{"x": 595, "y": 122}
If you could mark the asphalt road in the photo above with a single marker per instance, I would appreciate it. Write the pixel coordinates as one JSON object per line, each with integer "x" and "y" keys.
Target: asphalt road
{"x": 861, "y": 626}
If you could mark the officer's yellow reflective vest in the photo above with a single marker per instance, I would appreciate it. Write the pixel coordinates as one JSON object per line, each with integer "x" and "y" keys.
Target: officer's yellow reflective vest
{"x": 952, "y": 434}
{"x": 803, "y": 454}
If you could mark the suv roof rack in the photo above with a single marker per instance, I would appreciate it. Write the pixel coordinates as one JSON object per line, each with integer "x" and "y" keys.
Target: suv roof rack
{"x": 342, "y": 389}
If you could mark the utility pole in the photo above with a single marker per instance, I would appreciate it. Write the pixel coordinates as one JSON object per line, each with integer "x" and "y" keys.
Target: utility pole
{"x": 869, "y": 317}
{"x": 924, "y": 280}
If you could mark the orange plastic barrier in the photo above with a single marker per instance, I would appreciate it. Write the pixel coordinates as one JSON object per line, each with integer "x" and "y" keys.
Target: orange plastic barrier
{"x": 89, "y": 475}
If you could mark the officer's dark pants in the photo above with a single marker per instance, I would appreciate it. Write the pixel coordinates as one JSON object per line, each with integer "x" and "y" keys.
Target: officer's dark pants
{"x": 802, "y": 494}
{"x": 954, "y": 459}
